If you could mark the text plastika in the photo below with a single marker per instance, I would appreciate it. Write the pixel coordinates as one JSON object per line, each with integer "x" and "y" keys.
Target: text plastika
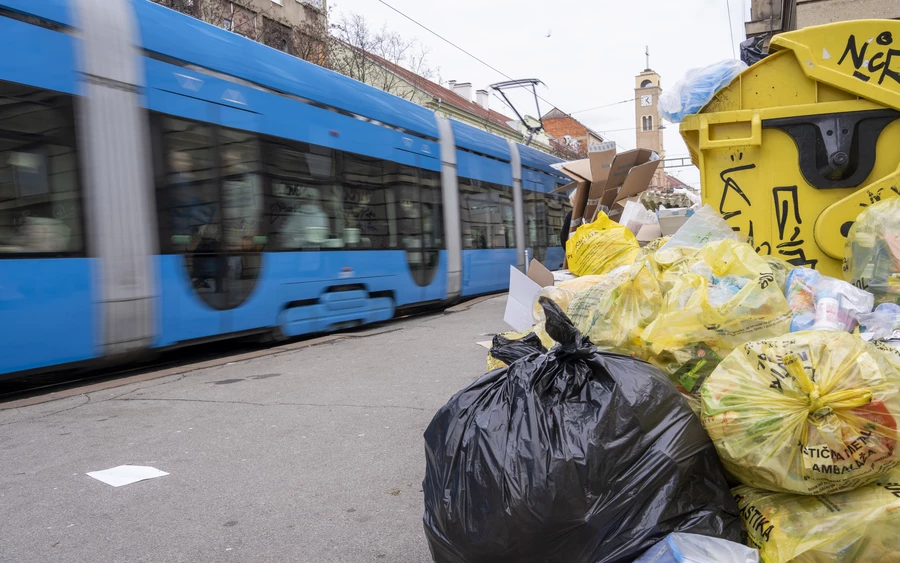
{"x": 869, "y": 61}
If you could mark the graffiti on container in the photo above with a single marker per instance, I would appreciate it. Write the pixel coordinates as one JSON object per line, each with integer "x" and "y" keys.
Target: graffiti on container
{"x": 872, "y": 61}
{"x": 731, "y": 185}
{"x": 875, "y": 197}
{"x": 787, "y": 213}
{"x": 759, "y": 248}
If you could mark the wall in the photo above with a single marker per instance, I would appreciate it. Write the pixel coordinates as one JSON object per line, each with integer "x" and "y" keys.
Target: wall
{"x": 818, "y": 12}
{"x": 291, "y": 12}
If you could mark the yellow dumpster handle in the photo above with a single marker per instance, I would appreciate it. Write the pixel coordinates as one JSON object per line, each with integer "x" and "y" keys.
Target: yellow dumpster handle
{"x": 755, "y": 138}
{"x": 833, "y": 224}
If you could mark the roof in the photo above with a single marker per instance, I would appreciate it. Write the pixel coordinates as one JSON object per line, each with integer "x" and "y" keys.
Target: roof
{"x": 437, "y": 91}
{"x": 676, "y": 183}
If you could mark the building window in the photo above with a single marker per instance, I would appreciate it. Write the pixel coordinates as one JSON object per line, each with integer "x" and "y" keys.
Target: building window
{"x": 646, "y": 84}
{"x": 226, "y": 24}
{"x": 647, "y": 123}
{"x": 277, "y": 35}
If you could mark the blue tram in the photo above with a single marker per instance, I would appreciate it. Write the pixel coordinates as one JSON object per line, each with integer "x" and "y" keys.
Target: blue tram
{"x": 165, "y": 182}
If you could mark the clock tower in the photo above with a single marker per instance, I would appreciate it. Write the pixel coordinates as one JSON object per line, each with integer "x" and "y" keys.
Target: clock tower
{"x": 648, "y": 126}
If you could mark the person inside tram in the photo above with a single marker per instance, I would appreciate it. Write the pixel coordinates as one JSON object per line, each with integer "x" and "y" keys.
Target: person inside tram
{"x": 307, "y": 225}
{"x": 191, "y": 215}
{"x": 567, "y": 222}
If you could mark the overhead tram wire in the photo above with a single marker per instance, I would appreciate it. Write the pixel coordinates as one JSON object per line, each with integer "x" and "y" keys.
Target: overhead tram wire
{"x": 454, "y": 45}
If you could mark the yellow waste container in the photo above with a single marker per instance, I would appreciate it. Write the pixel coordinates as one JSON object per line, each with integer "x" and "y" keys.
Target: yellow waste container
{"x": 798, "y": 144}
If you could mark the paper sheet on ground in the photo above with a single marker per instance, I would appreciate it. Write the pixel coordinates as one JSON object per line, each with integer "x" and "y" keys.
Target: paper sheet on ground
{"x": 126, "y": 474}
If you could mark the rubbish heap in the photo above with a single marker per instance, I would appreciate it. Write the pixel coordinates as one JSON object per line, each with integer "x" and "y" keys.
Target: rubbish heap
{"x": 581, "y": 443}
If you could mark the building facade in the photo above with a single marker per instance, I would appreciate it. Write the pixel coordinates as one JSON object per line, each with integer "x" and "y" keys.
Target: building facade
{"x": 298, "y": 27}
{"x": 570, "y": 132}
{"x": 770, "y": 17}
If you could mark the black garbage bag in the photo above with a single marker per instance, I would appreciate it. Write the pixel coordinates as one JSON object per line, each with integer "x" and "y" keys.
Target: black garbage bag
{"x": 752, "y": 50}
{"x": 569, "y": 456}
{"x": 508, "y": 350}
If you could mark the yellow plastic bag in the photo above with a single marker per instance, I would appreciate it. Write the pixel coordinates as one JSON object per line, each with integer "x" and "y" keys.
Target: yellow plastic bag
{"x": 872, "y": 251}
{"x": 723, "y": 296}
{"x": 854, "y": 527}
{"x": 561, "y": 296}
{"x": 581, "y": 283}
{"x": 780, "y": 269}
{"x": 614, "y": 313}
{"x": 650, "y": 248}
{"x": 600, "y": 247}
{"x": 811, "y": 412}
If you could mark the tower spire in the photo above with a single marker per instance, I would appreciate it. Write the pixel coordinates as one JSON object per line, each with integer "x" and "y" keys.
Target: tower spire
{"x": 647, "y": 52}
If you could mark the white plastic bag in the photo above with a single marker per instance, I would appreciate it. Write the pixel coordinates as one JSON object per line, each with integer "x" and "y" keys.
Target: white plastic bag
{"x": 691, "y": 548}
{"x": 702, "y": 227}
{"x": 697, "y": 88}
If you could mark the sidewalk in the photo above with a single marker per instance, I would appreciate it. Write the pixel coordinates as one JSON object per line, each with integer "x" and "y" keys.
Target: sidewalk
{"x": 311, "y": 455}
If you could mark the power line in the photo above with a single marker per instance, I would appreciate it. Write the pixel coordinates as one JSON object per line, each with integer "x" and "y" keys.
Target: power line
{"x": 730, "y": 27}
{"x": 451, "y": 43}
{"x": 601, "y": 107}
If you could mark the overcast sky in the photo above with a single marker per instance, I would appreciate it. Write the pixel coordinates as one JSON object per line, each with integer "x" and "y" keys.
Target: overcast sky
{"x": 595, "y": 49}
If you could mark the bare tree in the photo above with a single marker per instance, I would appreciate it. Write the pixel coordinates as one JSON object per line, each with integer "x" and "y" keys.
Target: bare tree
{"x": 350, "y": 46}
{"x": 370, "y": 56}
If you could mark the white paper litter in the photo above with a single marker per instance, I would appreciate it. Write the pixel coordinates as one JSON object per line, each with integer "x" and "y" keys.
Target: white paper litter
{"x": 485, "y": 344}
{"x": 126, "y": 474}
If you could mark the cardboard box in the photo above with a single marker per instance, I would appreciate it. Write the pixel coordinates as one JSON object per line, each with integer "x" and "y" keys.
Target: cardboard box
{"x": 630, "y": 174}
{"x": 589, "y": 176}
{"x": 605, "y": 178}
{"x": 670, "y": 220}
{"x": 539, "y": 273}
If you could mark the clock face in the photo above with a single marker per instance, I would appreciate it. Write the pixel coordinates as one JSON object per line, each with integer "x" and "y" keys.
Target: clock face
{"x": 646, "y": 100}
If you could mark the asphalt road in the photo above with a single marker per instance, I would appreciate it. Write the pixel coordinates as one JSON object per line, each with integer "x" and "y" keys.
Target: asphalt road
{"x": 311, "y": 455}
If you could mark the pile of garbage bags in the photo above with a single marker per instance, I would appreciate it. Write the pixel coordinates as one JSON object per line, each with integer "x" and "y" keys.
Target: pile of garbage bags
{"x": 569, "y": 455}
{"x": 792, "y": 377}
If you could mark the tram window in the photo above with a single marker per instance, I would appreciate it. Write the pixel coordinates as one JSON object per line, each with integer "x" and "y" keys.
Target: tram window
{"x": 188, "y": 197}
{"x": 556, "y": 213}
{"x": 477, "y": 213}
{"x": 40, "y": 207}
{"x": 242, "y": 193}
{"x": 306, "y": 210}
{"x": 536, "y": 219}
{"x": 369, "y": 209}
{"x": 505, "y": 228}
{"x": 405, "y": 181}
{"x": 432, "y": 209}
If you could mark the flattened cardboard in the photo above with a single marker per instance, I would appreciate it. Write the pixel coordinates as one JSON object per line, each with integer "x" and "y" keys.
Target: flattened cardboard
{"x": 578, "y": 170}
{"x": 601, "y": 165}
{"x": 539, "y": 273}
{"x": 638, "y": 180}
{"x": 608, "y": 198}
{"x": 566, "y": 188}
{"x": 639, "y": 163}
{"x": 581, "y": 197}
